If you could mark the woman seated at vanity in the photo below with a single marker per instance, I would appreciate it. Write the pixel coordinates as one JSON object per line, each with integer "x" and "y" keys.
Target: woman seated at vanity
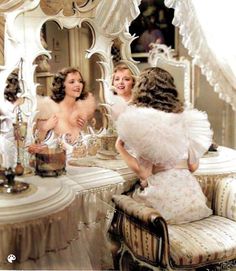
{"x": 66, "y": 112}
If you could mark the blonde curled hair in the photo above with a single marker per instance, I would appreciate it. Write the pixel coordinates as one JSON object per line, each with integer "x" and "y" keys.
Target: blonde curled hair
{"x": 121, "y": 67}
{"x": 156, "y": 88}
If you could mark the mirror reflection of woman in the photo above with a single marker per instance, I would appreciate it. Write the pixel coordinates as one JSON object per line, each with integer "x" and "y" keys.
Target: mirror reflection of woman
{"x": 67, "y": 110}
{"x": 123, "y": 81}
{"x": 12, "y": 92}
{"x": 15, "y": 108}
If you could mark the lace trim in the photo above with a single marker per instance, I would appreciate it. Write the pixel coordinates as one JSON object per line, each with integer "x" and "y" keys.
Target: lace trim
{"x": 194, "y": 40}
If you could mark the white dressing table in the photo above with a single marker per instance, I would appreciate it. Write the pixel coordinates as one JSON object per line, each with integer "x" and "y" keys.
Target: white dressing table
{"x": 84, "y": 193}
{"x": 94, "y": 187}
{"x": 38, "y": 220}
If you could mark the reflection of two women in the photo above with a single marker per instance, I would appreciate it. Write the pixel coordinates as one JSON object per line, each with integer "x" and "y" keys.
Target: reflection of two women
{"x": 66, "y": 112}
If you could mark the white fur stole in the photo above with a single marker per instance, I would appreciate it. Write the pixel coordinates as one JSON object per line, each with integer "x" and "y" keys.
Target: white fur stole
{"x": 46, "y": 107}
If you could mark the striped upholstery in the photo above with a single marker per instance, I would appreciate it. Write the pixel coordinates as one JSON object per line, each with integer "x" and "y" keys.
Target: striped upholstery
{"x": 225, "y": 198}
{"x": 208, "y": 186}
{"x": 202, "y": 242}
{"x": 191, "y": 245}
{"x": 141, "y": 241}
{"x": 137, "y": 229}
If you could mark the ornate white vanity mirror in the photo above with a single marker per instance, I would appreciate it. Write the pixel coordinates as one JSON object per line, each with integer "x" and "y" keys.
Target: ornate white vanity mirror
{"x": 103, "y": 21}
{"x": 42, "y": 36}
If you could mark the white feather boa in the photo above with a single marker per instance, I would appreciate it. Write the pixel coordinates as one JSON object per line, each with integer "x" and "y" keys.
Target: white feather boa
{"x": 162, "y": 137}
{"x": 46, "y": 107}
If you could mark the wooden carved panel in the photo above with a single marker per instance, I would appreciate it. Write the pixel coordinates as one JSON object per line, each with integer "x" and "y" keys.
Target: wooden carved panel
{"x": 52, "y": 7}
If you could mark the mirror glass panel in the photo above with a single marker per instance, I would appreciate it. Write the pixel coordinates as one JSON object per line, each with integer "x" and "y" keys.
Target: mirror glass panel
{"x": 67, "y": 47}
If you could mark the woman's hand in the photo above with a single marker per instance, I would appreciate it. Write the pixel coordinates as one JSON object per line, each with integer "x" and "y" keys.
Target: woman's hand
{"x": 46, "y": 125}
{"x": 80, "y": 123}
{"x": 51, "y": 123}
{"x": 37, "y": 148}
{"x": 119, "y": 144}
{"x": 193, "y": 167}
{"x": 143, "y": 183}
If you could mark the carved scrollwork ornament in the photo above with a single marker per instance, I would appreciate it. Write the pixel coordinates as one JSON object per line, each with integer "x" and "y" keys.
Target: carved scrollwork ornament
{"x": 68, "y": 7}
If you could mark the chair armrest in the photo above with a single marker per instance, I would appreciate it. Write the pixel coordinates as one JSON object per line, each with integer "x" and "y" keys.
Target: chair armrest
{"x": 142, "y": 229}
{"x": 136, "y": 210}
{"x": 224, "y": 202}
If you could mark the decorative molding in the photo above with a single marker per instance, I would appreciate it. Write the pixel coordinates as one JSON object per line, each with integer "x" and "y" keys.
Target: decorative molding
{"x": 68, "y": 7}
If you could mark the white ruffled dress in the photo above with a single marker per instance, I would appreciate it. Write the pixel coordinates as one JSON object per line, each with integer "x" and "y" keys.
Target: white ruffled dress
{"x": 168, "y": 139}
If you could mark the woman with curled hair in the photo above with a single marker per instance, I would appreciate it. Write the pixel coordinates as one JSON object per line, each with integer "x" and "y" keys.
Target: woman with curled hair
{"x": 156, "y": 89}
{"x": 66, "y": 111}
{"x": 59, "y": 88}
{"x": 12, "y": 89}
{"x": 167, "y": 142}
{"x": 123, "y": 81}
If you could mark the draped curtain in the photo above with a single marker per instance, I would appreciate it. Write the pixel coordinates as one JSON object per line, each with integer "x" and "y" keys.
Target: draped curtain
{"x": 208, "y": 32}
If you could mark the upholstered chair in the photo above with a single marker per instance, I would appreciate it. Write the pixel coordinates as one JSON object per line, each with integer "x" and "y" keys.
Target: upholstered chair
{"x": 144, "y": 241}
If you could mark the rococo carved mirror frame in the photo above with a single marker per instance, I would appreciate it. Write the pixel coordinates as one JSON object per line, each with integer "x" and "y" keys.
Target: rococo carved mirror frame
{"x": 108, "y": 20}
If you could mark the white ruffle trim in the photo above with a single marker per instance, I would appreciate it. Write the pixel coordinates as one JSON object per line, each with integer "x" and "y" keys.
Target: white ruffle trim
{"x": 162, "y": 137}
{"x": 199, "y": 133}
{"x": 194, "y": 40}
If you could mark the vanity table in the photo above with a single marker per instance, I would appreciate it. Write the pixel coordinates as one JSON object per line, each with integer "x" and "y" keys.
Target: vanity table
{"x": 215, "y": 166}
{"x": 54, "y": 205}
{"x": 89, "y": 189}
{"x": 218, "y": 163}
{"x": 40, "y": 219}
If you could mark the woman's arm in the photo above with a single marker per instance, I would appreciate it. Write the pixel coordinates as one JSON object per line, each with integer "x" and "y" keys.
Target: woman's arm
{"x": 43, "y": 126}
{"x": 193, "y": 166}
{"x": 132, "y": 162}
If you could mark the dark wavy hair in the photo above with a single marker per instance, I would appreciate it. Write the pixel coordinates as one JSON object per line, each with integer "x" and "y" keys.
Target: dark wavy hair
{"x": 156, "y": 88}
{"x": 12, "y": 88}
{"x": 58, "y": 87}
